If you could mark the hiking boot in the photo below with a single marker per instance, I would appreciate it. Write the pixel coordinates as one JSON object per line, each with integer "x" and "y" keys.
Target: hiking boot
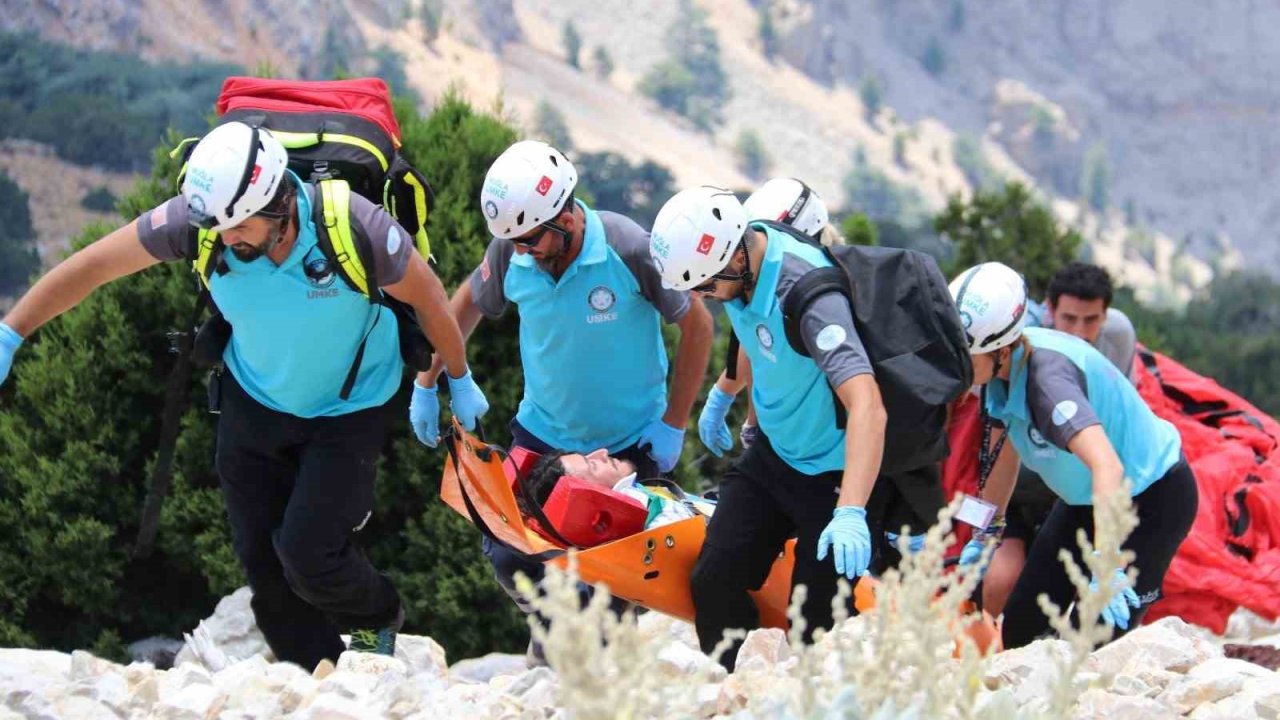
{"x": 380, "y": 641}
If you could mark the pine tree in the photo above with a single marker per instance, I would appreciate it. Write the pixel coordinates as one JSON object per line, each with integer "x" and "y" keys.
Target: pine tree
{"x": 1008, "y": 226}
{"x": 572, "y": 41}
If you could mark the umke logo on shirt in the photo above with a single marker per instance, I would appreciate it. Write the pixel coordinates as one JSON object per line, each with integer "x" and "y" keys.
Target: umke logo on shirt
{"x": 601, "y": 299}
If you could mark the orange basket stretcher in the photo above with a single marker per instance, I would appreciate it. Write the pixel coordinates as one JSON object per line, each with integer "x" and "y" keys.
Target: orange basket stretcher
{"x": 650, "y": 568}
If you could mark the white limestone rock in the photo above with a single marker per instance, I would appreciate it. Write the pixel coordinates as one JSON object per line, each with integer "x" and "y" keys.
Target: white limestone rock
{"x": 483, "y": 669}
{"x": 768, "y": 645}
{"x": 1097, "y": 704}
{"x": 657, "y": 628}
{"x": 422, "y": 655}
{"x": 683, "y": 663}
{"x": 1030, "y": 672}
{"x": 1167, "y": 644}
{"x": 1207, "y": 683}
{"x": 226, "y": 637}
{"x": 334, "y": 707}
{"x": 364, "y": 663}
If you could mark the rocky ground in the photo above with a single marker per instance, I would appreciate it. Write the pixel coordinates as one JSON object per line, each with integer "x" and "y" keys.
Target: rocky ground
{"x": 1165, "y": 670}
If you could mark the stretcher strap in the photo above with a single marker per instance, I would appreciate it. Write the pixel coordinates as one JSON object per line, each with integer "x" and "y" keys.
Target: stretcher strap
{"x": 450, "y": 445}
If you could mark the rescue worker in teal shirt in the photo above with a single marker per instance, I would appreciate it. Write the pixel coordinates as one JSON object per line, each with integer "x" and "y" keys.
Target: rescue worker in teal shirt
{"x": 804, "y": 476}
{"x": 1070, "y": 415}
{"x": 591, "y": 307}
{"x": 296, "y": 460}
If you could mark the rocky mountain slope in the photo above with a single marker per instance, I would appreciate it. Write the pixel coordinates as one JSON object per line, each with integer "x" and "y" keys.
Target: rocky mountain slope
{"x": 1152, "y": 103}
{"x": 1182, "y": 96}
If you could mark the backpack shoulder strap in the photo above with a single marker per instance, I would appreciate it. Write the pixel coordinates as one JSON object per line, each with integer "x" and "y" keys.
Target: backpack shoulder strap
{"x": 811, "y": 286}
{"x": 337, "y": 239}
{"x": 205, "y": 254}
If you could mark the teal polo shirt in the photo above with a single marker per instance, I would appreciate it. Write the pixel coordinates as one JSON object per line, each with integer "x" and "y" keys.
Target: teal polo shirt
{"x": 1064, "y": 387}
{"x": 793, "y": 393}
{"x": 595, "y": 367}
{"x": 296, "y": 326}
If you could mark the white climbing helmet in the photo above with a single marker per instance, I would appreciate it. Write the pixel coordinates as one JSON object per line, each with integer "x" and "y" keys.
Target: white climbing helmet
{"x": 525, "y": 187}
{"x": 992, "y": 300}
{"x": 233, "y": 173}
{"x": 695, "y": 234}
{"x": 790, "y": 202}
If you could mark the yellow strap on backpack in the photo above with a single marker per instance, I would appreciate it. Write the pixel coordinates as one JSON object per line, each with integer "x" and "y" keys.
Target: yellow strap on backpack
{"x": 335, "y": 200}
{"x": 206, "y": 242}
{"x": 420, "y": 206}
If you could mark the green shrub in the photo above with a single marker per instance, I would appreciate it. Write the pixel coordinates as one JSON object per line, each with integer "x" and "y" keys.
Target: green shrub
{"x": 99, "y": 199}
{"x": 78, "y": 432}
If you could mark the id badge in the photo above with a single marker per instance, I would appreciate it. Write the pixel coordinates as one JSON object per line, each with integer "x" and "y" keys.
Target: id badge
{"x": 976, "y": 512}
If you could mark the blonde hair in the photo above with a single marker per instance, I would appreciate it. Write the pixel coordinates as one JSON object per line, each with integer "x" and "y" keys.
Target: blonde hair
{"x": 830, "y": 236}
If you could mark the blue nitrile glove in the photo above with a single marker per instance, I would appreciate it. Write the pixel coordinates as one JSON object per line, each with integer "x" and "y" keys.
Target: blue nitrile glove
{"x": 1116, "y": 613}
{"x": 10, "y": 341}
{"x": 663, "y": 443}
{"x": 424, "y": 414}
{"x": 915, "y": 543}
{"x": 848, "y": 532}
{"x": 466, "y": 400}
{"x": 712, "y": 428}
{"x": 971, "y": 553}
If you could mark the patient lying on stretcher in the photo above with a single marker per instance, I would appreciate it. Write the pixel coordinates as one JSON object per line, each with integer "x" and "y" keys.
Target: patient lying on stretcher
{"x": 596, "y": 481}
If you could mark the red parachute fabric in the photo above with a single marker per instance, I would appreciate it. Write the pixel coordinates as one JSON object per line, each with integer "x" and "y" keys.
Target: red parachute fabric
{"x": 1231, "y": 558}
{"x": 960, "y": 469}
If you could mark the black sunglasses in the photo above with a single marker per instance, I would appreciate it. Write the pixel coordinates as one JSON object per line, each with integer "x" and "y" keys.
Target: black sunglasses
{"x": 709, "y": 286}
{"x": 529, "y": 241}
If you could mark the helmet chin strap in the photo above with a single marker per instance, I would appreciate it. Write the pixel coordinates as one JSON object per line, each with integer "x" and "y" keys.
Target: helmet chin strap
{"x": 747, "y": 277}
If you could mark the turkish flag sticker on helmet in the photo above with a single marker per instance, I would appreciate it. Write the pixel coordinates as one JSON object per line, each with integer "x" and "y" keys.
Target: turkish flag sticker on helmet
{"x": 544, "y": 185}
{"x": 704, "y": 245}
{"x": 257, "y": 170}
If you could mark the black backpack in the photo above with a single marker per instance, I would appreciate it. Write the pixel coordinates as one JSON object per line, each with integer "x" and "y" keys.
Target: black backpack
{"x": 912, "y": 333}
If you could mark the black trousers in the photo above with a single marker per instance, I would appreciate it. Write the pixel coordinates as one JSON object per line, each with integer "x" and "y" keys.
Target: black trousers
{"x": 1165, "y": 510}
{"x": 910, "y": 499}
{"x": 763, "y": 502}
{"x": 297, "y": 491}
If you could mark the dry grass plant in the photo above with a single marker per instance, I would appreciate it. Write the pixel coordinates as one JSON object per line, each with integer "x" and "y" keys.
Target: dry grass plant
{"x": 605, "y": 666}
{"x": 1114, "y": 521}
{"x": 895, "y": 662}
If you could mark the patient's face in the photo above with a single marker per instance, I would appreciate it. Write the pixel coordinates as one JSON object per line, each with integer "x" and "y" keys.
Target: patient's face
{"x": 597, "y": 467}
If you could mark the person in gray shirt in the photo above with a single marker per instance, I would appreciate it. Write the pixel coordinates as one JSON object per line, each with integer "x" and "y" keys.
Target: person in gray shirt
{"x": 1079, "y": 303}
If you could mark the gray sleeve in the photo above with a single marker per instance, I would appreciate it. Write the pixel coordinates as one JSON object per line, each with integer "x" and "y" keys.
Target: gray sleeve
{"x": 390, "y": 244}
{"x": 164, "y": 231}
{"x": 832, "y": 341}
{"x": 1058, "y": 397}
{"x": 489, "y": 277}
{"x": 631, "y": 242}
{"x": 1118, "y": 341}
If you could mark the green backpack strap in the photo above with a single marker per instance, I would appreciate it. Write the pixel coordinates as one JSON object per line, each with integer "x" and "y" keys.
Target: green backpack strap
{"x": 336, "y": 238}
{"x": 421, "y": 208}
{"x": 205, "y": 258}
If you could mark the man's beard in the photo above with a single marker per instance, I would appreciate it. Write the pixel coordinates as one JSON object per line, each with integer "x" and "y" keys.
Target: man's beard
{"x": 247, "y": 253}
